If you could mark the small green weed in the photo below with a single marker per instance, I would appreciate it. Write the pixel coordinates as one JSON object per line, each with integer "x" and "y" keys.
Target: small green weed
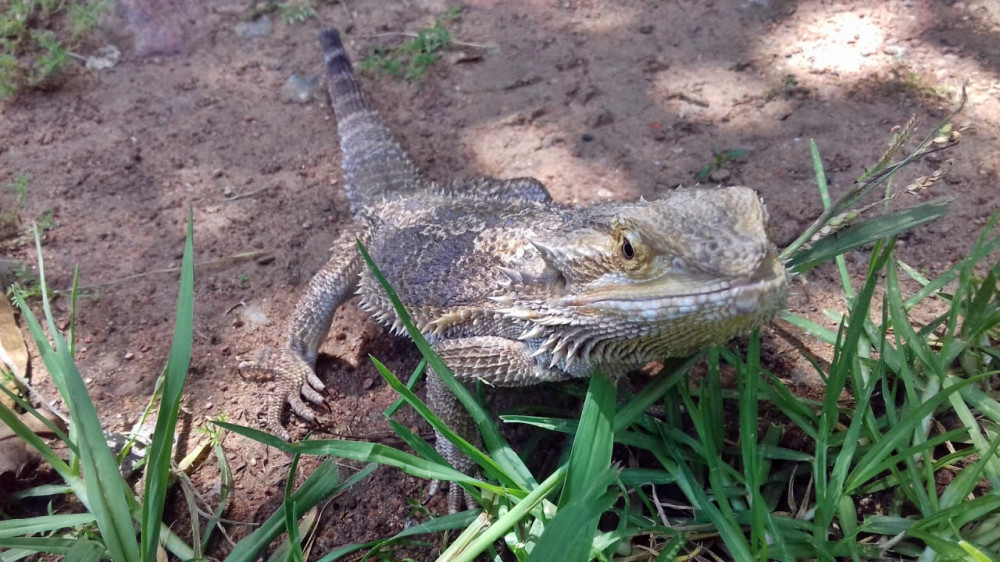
{"x": 719, "y": 159}
{"x": 20, "y": 187}
{"x": 902, "y": 80}
{"x": 788, "y": 87}
{"x": 296, "y": 12}
{"x": 411, "y": 59}
{"x": 27, "y": 282}
{"x": 291, "y": 12}
{"x": 36, "y": 39}
{"x": 10, "y": 219}
{"x": 46, "y": 221}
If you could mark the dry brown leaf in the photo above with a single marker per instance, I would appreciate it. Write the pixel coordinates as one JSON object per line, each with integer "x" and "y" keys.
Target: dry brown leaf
{"x": 15, "y": 455}
{"x": 13, "y": 351}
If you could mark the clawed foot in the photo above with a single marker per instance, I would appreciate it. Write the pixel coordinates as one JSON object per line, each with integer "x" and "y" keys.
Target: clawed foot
{"x": 294, "y": 379}
{"x": 457, "y": 496}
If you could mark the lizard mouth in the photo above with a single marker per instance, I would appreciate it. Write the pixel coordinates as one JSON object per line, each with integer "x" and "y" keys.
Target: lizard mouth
{"x": 762, "y": 293}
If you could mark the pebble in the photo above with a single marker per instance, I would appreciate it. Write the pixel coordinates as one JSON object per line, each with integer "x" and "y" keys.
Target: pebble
{"x": 104, "y": 58}
{"x": 254, "y": 316}
{"x": 129, "y": 355}
{"x": 260, "y": 27}
{"x": 586, "y": 137}
{"x": 299, "y": 89}
{"x": 894, "y": 51}
{"x": 719, "y": 175}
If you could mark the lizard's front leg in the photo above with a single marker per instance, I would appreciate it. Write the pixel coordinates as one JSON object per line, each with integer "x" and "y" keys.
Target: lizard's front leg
{"x": 293, "y": 367}
{"x": 497, "y": 362}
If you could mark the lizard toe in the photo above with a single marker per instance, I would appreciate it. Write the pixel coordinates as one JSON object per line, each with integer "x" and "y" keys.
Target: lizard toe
{"x": 314, "y": 383}
{"x": 300, "y": 408}
{"x": 311, "y": 395}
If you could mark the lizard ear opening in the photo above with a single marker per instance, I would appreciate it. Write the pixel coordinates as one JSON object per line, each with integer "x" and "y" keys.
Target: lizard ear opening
{"x": 555, "y": 265}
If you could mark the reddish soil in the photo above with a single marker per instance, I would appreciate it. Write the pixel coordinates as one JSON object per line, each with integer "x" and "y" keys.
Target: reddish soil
{"x": 598, "y": 99}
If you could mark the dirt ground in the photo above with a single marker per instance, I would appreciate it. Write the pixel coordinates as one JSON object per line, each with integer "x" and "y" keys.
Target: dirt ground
{"x": 598, "y": 99}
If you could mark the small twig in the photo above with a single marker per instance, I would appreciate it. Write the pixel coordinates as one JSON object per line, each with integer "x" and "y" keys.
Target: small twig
{"x": 247, "y": 194}
{"x": 415, "y": 35}
{"x": 236, "y": 258}
{"x": 39, "y": 398}
{"x": 243, "y": 303}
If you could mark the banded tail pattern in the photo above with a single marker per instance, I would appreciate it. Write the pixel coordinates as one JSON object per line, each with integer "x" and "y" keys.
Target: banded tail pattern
{"x": 374, "y": 164}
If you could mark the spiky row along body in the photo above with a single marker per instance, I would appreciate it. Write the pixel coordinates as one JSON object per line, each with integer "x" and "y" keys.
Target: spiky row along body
{"x": 514, "y": 289}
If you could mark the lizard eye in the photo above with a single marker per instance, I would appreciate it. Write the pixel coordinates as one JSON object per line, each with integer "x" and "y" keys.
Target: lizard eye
{"x": 628, "y": 252}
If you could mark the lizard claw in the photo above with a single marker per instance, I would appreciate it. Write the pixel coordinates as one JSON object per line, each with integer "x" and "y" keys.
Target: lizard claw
{"x": 295, "y": 380}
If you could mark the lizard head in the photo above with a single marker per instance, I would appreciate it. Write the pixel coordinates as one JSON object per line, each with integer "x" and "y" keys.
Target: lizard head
{"x": 698, "y": 263}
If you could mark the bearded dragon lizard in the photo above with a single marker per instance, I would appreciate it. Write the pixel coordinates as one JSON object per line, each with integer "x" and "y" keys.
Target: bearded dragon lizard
{"x": 514, "y": 289}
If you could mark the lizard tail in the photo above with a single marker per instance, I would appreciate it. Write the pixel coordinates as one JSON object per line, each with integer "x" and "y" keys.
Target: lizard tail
{"x": 374, "y": 164}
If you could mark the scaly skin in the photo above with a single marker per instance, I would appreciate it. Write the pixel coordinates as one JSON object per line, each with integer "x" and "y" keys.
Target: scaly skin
{"x": 514, "y": 289}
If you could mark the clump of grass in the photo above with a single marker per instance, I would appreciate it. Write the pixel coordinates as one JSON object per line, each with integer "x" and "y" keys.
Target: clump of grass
{"x": 37, "y": 38}
{"x": 115, "y": 522}
{"x": 412, "y": 59}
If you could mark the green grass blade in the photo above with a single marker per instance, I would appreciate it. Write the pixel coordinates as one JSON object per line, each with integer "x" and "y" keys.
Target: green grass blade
{"x": 588, "y": 476}
{"x": 158, "y": 465}
{"x": 24, "y": 433}
{"x": 502, "y": 453}
{"x": 415, "y": 442}
{"x": 814, "y": 329}
{"x": 753, "y": 467}
{"x": 590, "y": 456}
{"x": 290, "y": 513}
{"x": 874, "y": 460}
{"x": 824, "y": 194}
{"x": 467, "y": 448}
{"x": 470, "y": 551}
{"x": 364, "y": 452}
{"x": 43, "y": 524}
{"x": 865, "y": 232}
{"x": 39, "y": 544}
{"x": 845, "y": 357}
{"x": 441, "y": 524}
{"x": 674, "y": 372}
{"x": 320, "y": 485}
{"x": 569, "y": 536}
{"x": 226, "y": 487}
{"x": 85, "y": 551}
{"x": 106, "y": 494}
